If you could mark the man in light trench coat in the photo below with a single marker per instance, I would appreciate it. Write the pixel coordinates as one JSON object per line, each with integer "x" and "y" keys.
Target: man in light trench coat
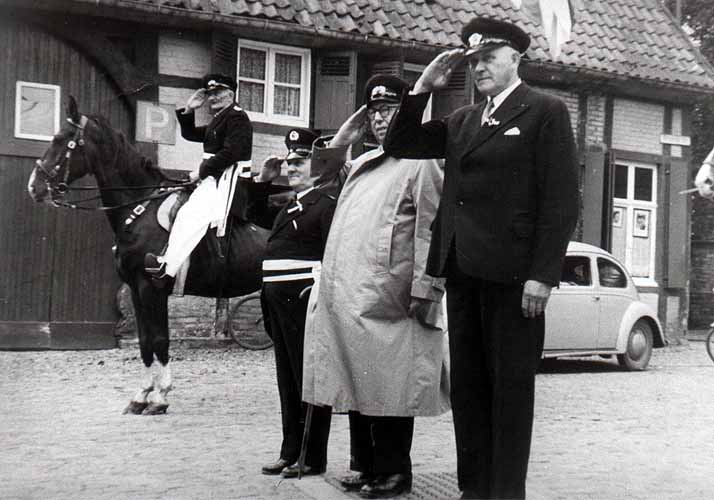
{"x": 374, "y": 344}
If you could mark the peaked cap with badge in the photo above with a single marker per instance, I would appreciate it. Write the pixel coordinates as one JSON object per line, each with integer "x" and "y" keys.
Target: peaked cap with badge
{"x": 299, "y": 142}
{"x": 218, "y": 81}
{"x": 483, "y": 33}
{"x": 384, "y": 88}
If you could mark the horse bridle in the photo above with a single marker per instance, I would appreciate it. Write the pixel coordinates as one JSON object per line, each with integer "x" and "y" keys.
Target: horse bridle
{"x": 58, "y": 190}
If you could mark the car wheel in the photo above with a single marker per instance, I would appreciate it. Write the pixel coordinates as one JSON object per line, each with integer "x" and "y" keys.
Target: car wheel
{"x": 639, "y": 347}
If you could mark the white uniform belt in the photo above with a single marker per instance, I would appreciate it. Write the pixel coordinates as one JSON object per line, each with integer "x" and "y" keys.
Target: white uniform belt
{"x": 288, "y": 269}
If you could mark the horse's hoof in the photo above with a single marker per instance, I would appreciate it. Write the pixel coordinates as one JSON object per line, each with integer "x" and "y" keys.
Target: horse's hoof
{"x": 135, "y": 408}
{"x": 155, "y": 409}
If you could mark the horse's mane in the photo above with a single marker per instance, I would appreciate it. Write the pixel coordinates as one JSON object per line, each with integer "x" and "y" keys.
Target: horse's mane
{"x": 132, "y": 158}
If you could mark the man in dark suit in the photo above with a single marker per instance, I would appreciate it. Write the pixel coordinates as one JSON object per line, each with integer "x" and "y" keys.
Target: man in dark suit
{"x": 292, "y": 256}
{"x": 508, "y": 209}
{"x": 227, "y": 148}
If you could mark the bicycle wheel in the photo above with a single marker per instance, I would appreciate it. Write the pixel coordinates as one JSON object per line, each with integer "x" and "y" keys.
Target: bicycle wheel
{"x": 246, "y": 324}
{"x": 710, "y": 344}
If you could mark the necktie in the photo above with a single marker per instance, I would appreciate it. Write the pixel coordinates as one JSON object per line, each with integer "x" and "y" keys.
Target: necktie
{"x": 487, "y": 112}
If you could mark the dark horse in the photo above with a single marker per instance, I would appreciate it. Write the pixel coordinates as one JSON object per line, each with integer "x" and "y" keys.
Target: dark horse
{"x": 225, "y": 267}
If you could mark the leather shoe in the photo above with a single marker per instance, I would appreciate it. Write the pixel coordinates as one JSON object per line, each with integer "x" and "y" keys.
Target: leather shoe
{"x": 275, "y": 467}
{"x": 354, "y": 482}
{"x": 387, "y": 486}
{"x": 307, "y": 470}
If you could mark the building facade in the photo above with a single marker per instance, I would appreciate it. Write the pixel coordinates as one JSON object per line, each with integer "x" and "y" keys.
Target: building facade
{"x": 628, "y": 77}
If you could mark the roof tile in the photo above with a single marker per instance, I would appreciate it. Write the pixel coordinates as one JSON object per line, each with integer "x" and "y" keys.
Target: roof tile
{"x": 635, "y": 38}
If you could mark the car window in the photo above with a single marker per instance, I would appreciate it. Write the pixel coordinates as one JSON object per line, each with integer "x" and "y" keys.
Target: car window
{"x": 576, "y": 271}
{"x": 611, "y": 275}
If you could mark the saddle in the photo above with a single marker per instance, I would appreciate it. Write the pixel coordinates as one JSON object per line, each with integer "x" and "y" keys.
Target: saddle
{"x": 166, "y": 214}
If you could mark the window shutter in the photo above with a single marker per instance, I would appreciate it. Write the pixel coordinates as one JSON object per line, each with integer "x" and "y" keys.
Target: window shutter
{"x": 678, "y": 225}
{"x": 456, "y": 94}
{"x": 225, "y": 53}
{"x": 335, "y": 89}
{"x": 593, "y": 191}
{"x": 395, "y": 68}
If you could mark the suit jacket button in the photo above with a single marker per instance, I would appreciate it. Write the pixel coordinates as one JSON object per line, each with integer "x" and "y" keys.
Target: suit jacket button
{"x": 461, "y": 203}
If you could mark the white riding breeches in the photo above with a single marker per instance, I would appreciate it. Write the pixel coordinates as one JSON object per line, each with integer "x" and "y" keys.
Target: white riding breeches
{"x": 208, "y": 205}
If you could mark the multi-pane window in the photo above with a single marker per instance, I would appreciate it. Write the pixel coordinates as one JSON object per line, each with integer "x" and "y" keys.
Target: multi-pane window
{"x": 37, "y": 110}
{"x": 634, "y": 218}
{"x": 274, "y": 82}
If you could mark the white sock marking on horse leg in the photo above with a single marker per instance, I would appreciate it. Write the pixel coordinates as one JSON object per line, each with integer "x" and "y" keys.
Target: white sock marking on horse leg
{"x": 147, "y": 384}
{"x": 163, "y": 384}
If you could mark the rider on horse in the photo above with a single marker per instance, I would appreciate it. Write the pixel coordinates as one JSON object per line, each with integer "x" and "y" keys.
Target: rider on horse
{"x": 227, "y": 145}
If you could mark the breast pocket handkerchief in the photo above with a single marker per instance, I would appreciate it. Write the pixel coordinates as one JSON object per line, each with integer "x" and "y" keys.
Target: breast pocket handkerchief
{"x": 513, "y": 131}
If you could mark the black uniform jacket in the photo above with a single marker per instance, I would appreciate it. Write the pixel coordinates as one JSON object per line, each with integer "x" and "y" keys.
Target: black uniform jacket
{"x": 229, "y": 137}
{"x": 300, "y": 230}
{"x": 510, "y": 198}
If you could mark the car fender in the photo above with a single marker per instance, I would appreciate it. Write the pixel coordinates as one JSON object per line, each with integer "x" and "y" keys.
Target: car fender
{"x": 634, "y": 312}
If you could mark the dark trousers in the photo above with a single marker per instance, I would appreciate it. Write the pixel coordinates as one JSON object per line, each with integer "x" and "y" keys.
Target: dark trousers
{"x": 495, "y": 353}
{"x": 285, "y": 312}
{"x": 380, "y": 445}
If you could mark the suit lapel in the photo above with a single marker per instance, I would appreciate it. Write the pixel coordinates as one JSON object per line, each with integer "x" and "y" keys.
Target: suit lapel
{"x": 509, "y": 109}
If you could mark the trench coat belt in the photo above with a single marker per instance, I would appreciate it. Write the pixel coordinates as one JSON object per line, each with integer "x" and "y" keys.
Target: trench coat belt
{"x": 288, "y": 269}
{"x": 244, "y": 167}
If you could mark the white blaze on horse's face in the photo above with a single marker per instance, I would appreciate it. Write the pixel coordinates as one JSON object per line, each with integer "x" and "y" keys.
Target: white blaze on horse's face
{"x": 705, "y": 181}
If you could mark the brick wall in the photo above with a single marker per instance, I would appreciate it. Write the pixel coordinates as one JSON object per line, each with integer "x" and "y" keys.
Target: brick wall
{"x": 701, "y": 302}
{"x": 184, "y": 55}
{"x": 595, "y": 126}
{"x": 571, "y": 101}
{"x": 637, "y": 126}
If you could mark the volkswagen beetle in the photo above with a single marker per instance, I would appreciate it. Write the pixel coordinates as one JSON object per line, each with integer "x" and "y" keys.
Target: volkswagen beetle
{"x": 596, "y": 310}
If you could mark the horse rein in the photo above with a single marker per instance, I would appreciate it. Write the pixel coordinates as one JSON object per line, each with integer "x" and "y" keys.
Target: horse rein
{"x": 58, "y": 191}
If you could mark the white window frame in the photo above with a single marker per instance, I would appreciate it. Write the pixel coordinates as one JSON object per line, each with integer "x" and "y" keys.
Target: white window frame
{"x": 268, "y": 115}
{"x": 630, "y": 205}
{"x": 18, "y": 107}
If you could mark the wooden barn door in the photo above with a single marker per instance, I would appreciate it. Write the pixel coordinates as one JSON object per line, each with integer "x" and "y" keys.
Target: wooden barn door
{"x": 57, "y": 280}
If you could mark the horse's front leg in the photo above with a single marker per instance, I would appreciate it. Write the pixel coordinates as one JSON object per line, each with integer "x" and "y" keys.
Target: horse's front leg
{"x": 151, "y": 309}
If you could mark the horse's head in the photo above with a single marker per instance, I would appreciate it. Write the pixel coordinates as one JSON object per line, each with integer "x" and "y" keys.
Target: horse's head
{"x": 705, "y": 181}
{"x": 64, "y": 161}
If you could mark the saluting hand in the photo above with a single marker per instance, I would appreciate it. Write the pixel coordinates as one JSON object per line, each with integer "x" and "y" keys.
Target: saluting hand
{"x": 437, "y": 74}
{"x": 352, "y": 130}
{"x": 270, "y": 169}
{"x": 535, "y": 298}
{"x": 196, "y": 100}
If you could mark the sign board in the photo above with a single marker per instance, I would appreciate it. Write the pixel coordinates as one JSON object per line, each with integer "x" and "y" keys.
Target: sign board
{"x": 675, "y": 140}
{"x": 155, "y": 123}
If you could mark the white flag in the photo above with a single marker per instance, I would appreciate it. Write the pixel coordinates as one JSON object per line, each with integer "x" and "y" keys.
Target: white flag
{"x": 554, "y": 16}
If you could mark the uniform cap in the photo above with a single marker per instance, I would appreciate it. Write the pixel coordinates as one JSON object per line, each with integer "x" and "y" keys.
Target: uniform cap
{"x": 217, "y": 81}
{"x": 384, "y": 88}
{"x": 299, "y": 142}
{"x": 483, "y": 33}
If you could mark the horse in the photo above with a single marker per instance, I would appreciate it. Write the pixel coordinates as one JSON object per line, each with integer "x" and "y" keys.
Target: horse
{"x": 131, "y": 189}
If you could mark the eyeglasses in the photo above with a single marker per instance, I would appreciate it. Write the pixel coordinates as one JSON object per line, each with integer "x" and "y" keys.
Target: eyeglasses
{"x": 384, "y": 111}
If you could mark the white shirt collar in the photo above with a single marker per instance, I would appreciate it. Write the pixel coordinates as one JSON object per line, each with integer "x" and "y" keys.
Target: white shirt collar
{"x": 303, "y": 193}
{"x": 498, "y": 99}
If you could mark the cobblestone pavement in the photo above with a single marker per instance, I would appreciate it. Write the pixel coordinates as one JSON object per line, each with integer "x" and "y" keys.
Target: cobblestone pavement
{"x": 600, "y": 433}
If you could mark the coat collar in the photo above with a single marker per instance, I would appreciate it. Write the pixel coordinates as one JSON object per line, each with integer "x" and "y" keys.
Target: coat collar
{"x": 285, "y": 216}
{"x": 511, "y": 108}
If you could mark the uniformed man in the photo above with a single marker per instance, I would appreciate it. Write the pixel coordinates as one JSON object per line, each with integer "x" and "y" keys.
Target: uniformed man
{"x": 293, "y": 254}
{"x": 509, "y": 207}
{"x": 227, "y": 145}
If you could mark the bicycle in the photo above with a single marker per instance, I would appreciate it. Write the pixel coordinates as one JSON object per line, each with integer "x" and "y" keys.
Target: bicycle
{"x": 246, "y": 325}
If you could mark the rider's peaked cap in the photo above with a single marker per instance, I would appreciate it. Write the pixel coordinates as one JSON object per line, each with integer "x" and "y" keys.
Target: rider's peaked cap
{"x": 384, "y": 88}
{"x": 216, "y": 81}
{"x": 483, "y": 33}
{"x": 299, "y": 142}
